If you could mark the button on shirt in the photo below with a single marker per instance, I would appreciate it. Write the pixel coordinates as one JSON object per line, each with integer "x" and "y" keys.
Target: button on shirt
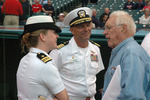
{"x": 135, "y": 70}
{"x": 36, "y": 78}
{"x": 77, "y": 70}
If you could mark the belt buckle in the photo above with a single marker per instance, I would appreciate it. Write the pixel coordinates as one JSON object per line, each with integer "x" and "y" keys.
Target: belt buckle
{"x": 87, "y": 98}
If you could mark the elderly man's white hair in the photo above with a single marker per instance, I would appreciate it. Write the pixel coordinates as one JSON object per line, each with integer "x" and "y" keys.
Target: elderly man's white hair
{"x": 123, "y": 17}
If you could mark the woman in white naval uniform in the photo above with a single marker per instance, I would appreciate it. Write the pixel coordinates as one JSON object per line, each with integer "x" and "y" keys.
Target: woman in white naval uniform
{"x": 37, "y": 76}
{"x": 79, "y": 60}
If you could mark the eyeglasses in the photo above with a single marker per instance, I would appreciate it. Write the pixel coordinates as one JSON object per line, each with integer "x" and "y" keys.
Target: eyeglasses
{"x": 108, "y": 28}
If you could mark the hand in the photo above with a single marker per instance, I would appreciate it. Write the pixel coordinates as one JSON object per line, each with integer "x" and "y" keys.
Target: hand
{"x": 101, "y": 90}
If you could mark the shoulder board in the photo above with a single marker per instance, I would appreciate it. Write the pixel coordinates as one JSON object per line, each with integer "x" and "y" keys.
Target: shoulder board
{"x": 62, "y": 45}
{"x": 43, "y": 57}
{"x": 95, "y": 43}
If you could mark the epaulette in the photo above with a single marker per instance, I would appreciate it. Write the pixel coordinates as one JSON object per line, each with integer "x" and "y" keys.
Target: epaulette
{"x": 95, "y": 43}
{"x": 43, "y": 57}
{"x": 62, "y": 45}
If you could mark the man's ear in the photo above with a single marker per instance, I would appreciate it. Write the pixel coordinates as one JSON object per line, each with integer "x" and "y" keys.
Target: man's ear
{"x": 124, "y": 28}
{"x": 71, "y": 29}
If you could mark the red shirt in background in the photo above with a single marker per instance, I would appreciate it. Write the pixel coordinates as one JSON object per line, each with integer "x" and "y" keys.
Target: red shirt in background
{"x": 12, "y": 7}
{"x": 36, "y": 7}
{"x": 145, "y": 7}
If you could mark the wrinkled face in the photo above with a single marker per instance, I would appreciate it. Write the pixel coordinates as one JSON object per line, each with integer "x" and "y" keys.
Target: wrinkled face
{"x": 51, "y": 39}
{"x": 112, "y": 32}
{"x": 82, "y": 32}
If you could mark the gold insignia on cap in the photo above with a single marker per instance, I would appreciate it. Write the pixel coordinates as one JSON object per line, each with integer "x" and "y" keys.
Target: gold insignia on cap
{"x": 81, "y": 21}
{"x": 43, "y": 57}
{"x": 81, "y": 13}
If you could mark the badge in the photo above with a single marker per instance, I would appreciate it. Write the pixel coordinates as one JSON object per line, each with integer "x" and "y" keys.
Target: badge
{"x": 94, "y": 57}
{"x": 73, "y": 59}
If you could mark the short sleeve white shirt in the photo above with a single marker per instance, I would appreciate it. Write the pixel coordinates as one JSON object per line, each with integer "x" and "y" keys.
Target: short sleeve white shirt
{"x": 36, "y": 78}
{"x": 144, "y": 20}
{"x": 76, "y": 68}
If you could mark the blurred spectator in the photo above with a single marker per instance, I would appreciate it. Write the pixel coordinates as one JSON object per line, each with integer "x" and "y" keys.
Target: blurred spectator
{"x": 43, "y": 2}
{"x": 139, "y": 5}
{"x": 1, "y": 15}
{"x": 60, "y": 23}
{"x": 147, "y": 5}
{"x": 129, "y": 5}
{"x": 12, "y": 10}
{"x": 107, "y": 11}
{"x": 1, "y": 3}
{"x": 93, "y": 1}
{"x": 105, "y": 18}
{"x": 94, "y": 19}
{"x": 48, "y": 8}
{"x": 27, "y": 11}
{"x": 36, "y": 8}
{"x": 84, "y": 3}
{"x": 145, "y": 19}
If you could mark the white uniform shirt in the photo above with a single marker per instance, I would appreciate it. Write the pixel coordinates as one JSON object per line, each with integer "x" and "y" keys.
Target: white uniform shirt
{"x": 146, "y": 43}
{"x": 36, "y": 78}
{"x": 77, "y": 70}
{"x": 144, "y": 20}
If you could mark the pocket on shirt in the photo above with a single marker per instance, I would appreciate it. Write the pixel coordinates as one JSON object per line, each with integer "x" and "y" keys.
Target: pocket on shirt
{"x": 73, "y": 66}
{"x": 93, "y": 69}
{"x": 94, "y": 64}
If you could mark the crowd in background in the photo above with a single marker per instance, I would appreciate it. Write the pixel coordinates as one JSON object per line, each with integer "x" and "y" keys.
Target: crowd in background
{"x": 28, "y": 8}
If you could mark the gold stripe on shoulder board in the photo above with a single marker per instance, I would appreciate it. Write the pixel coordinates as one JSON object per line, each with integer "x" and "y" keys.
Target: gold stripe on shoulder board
{"x": 95, "y": 43}
{"x": 43, "y": 57}
{"x": 62, "y": 45}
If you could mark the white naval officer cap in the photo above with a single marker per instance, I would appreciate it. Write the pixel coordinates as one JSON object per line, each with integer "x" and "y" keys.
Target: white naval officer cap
{"x": 78, "y": 16}
{"x": 34, "y": 23}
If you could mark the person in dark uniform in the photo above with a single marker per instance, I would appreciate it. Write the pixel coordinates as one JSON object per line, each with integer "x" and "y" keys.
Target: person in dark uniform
{"x": 48, "y": 9}
{"x": 84, "y": 3}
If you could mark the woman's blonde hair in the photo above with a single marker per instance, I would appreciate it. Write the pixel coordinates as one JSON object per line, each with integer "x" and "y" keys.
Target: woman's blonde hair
{"x": 31, "y": 39}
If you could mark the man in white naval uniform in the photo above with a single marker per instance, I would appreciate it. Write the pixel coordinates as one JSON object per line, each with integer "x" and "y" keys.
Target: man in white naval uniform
{"x": 79, "y": 60}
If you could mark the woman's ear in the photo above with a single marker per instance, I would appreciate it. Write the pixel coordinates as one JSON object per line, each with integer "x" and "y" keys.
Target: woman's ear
{"x": 42, "y": 37}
